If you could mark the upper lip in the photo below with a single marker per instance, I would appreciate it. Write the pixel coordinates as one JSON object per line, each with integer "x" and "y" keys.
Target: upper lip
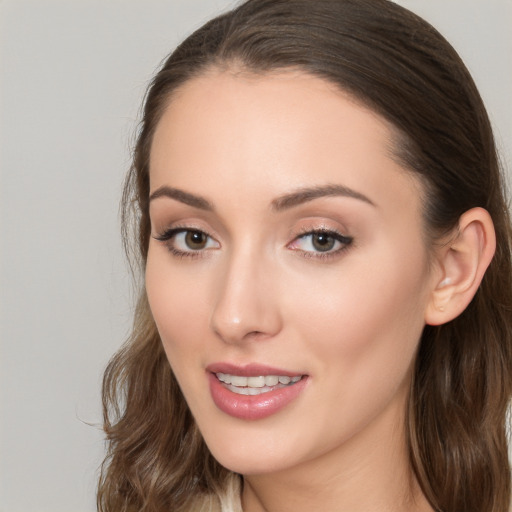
{"x": 250, "y": 370}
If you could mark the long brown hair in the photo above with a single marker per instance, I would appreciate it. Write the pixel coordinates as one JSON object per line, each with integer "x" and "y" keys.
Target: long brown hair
{"x": 400, "y": 67}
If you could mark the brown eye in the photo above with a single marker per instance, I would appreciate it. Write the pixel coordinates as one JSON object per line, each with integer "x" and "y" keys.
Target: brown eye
{"x": 187, "y": 242}
{"x": 196, "y": 240}
{"x": 323, "y": 242}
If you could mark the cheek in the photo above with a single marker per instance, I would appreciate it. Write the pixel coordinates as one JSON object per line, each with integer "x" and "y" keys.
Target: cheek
{"x": 359, "y": 332}
{"x": 179, "y": 308}
{"x": 177, "y": 303}
{"x": 366, "y": 319}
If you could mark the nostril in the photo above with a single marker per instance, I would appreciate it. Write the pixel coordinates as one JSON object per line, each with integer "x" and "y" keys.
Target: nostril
{"x": 253, "y": 334}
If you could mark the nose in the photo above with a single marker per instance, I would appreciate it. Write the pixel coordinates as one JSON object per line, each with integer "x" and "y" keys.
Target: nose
{"x": 247, "y": 303}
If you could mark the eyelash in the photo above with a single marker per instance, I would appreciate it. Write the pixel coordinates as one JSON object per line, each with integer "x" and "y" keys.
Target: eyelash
{"x": 168, "y": 237}
{"x": 343, "y": 240}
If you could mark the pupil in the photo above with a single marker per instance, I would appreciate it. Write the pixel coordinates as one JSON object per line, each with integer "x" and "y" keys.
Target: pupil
{"x": 195, "y": 240}
{"x": 322, "y": 242}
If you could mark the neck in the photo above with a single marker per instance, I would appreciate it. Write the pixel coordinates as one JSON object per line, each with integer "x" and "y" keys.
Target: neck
{"x": 370, "y": 472}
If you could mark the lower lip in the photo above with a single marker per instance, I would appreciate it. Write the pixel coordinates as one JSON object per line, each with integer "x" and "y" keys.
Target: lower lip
{"x": 254, "y": 407}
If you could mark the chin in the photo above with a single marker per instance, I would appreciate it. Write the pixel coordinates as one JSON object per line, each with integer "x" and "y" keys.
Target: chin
{"x": 249, "y": 458}
{"x": 247, "y": 467}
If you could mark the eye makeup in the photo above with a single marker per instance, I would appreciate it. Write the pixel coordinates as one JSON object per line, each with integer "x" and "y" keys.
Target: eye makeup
{"x": 322, "y": 243}
{"x": 187, "y": 242}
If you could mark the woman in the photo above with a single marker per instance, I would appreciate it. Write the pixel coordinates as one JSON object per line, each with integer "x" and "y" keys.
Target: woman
{"x": 325, "y": 322}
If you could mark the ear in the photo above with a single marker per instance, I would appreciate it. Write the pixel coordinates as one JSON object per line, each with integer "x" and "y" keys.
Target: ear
{"x": 461, "y": 264}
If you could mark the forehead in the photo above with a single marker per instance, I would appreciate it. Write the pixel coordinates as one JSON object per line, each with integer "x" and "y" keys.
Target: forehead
{"x": 292, "y": 102}
{"x": 283, "y": 130}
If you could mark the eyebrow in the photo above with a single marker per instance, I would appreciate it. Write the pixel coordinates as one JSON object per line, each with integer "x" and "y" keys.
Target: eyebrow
{"x": 304, "y": 195}
{"x": 182, "y": 197}
{"x": 281, "y": 203}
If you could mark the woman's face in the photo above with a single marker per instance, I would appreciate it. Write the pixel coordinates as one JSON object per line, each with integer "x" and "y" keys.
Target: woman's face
{"x": 287, "y": 270}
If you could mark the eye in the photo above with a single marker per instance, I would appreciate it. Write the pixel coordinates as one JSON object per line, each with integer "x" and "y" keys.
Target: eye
{"x": 187, "y": 242}
{"x": 192, "y": 240}
{"x": 321, "y": 242}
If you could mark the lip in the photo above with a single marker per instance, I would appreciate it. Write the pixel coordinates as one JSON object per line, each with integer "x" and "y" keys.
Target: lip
{"x": 249, "y": 370}
{"x": 252, "y": 407}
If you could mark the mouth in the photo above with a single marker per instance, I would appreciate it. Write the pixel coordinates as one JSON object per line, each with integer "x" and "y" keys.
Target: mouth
{"x": 254, "y": 392}
{"x": 258, "y": 385}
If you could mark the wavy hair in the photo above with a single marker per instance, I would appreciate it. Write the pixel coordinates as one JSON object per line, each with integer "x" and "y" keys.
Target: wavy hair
{"x": 399, "y": 66}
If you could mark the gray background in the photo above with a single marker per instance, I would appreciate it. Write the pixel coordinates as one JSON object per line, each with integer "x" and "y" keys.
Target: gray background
{"x": 72, "y": 74}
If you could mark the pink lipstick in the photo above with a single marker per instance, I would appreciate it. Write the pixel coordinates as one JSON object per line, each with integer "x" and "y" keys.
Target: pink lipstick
{"x": 253, "y": 392}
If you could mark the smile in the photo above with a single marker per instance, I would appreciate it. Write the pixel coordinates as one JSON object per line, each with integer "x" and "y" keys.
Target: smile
{"x": 253, "y": 386}
{"x": 254, "y": 391}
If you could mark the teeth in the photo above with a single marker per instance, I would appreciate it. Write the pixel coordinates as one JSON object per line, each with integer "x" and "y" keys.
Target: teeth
{"x": 238, "y": 381}
{"x": 262, "y": 381}
{"x": 255, "y": 382}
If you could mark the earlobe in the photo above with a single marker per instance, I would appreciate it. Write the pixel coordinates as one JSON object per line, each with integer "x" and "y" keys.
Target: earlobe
{"x": 461, "y": 265}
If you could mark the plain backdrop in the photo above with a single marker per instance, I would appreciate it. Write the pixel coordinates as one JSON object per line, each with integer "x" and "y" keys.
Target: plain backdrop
{"x": 72, "y": 75}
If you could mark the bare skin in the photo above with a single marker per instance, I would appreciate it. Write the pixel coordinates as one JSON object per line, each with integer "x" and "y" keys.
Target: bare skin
{"x": 285, "y": 234}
